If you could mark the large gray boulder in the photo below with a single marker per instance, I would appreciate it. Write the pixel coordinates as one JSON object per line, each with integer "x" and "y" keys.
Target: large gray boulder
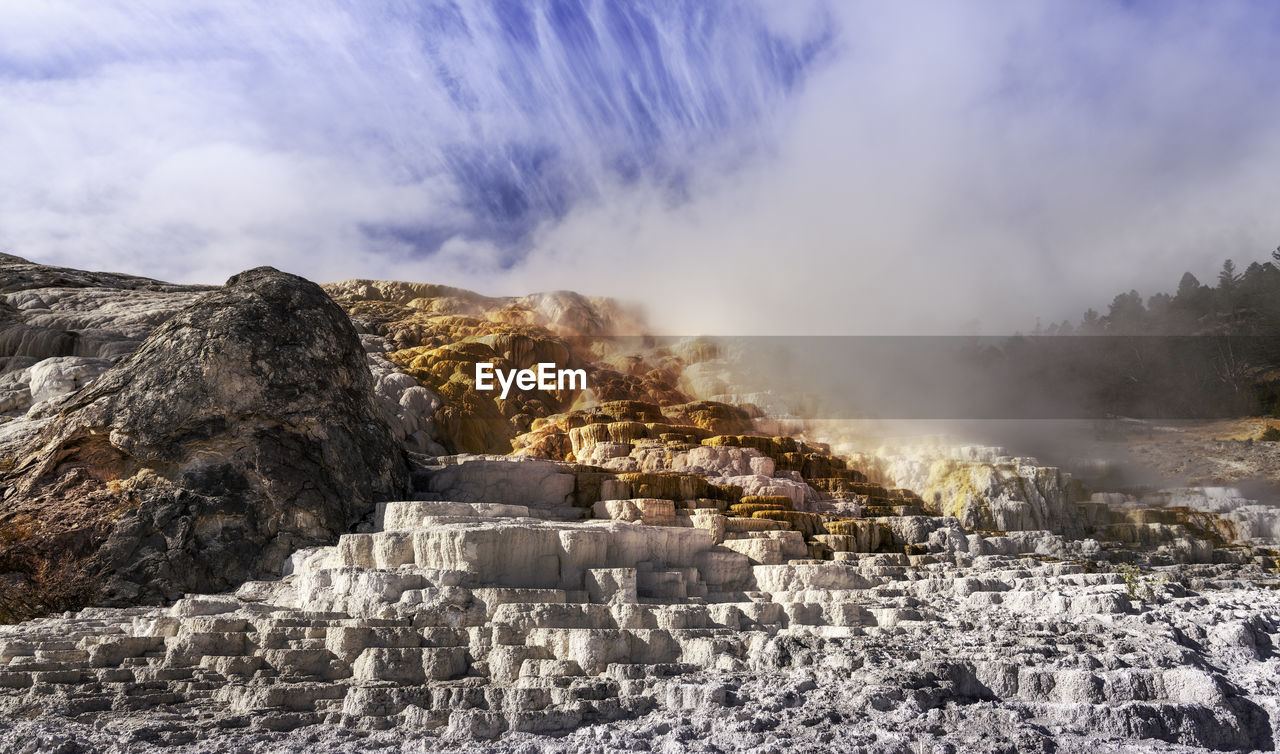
{"x": 241, "y": 430}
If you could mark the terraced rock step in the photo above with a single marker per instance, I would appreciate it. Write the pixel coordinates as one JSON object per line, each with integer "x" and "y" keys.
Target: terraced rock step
{"x": 473, "y": 620}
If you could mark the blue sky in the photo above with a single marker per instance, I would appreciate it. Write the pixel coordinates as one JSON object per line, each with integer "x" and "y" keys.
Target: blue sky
{"x": 857, "y": 167}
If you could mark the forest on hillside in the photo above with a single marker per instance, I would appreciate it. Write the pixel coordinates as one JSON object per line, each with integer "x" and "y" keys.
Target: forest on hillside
{"x": 1241, "y": 303}
{"x": 1216, "y": 354}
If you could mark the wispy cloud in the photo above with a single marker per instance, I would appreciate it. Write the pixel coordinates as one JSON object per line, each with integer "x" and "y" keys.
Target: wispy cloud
{"x": 201, "y": 136}
{"x": 745, "y": 167}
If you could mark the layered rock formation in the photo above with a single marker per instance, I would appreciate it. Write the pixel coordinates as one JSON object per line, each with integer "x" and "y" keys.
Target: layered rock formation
{"x": 986, "y": 489}
{"x": 60, "y": 312}
{"x": 457, "y": 622}
{"x": 60, "y": 328}
{"x": 438, "y": 334}
{"x": 666, "y": 559}
{"x": 243, "y": 428}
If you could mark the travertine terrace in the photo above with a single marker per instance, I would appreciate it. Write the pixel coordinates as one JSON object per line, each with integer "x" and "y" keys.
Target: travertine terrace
{"x": 456, "y": 622}
{"x": 652, "y": 566}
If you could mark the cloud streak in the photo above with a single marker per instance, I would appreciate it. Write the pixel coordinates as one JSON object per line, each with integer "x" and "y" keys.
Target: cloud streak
{"x": 744, "y": 168}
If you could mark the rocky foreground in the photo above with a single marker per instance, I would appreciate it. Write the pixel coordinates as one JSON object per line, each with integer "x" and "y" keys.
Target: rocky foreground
{"x": 456, "y": 623}
{"x": 335, "y": 563}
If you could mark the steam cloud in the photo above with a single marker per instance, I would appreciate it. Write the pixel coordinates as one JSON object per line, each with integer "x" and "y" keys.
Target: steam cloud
{"x": 828, "y": 168}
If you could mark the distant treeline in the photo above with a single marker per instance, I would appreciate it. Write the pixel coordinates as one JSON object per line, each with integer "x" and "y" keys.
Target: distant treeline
{"x": 1242, "y": 303}
{"x": 1231, "y": 367}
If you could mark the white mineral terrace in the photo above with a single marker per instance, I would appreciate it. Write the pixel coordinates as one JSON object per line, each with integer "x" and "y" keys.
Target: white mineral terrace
{"x": 470, "y": 620}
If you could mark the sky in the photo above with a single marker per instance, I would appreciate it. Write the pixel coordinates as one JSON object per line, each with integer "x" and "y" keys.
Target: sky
{"x": 738, "y": 167}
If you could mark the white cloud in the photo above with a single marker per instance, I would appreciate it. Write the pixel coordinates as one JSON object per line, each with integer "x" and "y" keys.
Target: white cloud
{"x": 963, "y": 169}
{"x": 944, "y": 163}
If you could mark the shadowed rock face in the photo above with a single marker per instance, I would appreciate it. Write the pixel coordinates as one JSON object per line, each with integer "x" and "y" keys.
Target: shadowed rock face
{"x": 240, "y": 430}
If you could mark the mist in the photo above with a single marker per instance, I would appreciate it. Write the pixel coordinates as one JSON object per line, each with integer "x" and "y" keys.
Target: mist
{"x": 827, "y": 168}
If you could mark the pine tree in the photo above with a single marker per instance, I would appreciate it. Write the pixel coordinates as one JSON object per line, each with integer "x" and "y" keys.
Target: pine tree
{"x": 1229, "y": 290}
{"x": 1127, "y": 315}
{"x": 1188, "y": 287}
{"x": 1228, "y": 278}
{"x": 1091, "y": 324}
